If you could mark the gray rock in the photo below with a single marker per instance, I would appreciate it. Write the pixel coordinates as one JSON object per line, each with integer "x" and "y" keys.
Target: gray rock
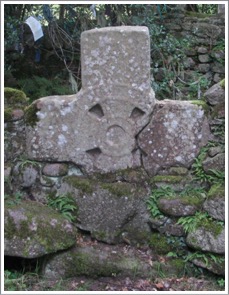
{"x": 99, "y": 260}
{"x": 218, "y": 67}
{"x": 215, "y": 94}
{"x": 213, "y": 151}
{"x": 55, "y": 169}
{"x": 32, "y": 230}
{"x": 215, "y": 267}
{"x": 203, "y": 68}
{"x": 110, "y": 210}
{"x": 176, "y": 207}
{"x": 215, "y": 208}
{"x": 202, "y": 50}
{"x": 167, "y": 226}
{"x": 215, "y": 163}
{"x": 174, "y": 136}
{"x": 204, "y": 58}
{"x": 207, "y": 240}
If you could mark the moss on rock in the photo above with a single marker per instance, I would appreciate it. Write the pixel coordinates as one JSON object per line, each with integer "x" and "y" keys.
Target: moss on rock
{"x": 216, "y": 190}
{"x": 201, "y": 104}
{"x": 159, "y": 244}
{"x": 14, "y": 97}
{"x": 31, "y": 117}
{"x": 118, "y": 188}
{"x": 222, "y": 83}
{"x": 81, "y": 183}
{"x": 167, "y": 179}
{"x": 33, "y": 230}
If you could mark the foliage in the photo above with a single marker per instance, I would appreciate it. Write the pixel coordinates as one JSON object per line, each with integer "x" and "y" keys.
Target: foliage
{"x": 213, "y": 176}
{"x": 196, "y": 194}
{"x": 200, "y": 219}
{"x": 64, "y": 204}
{"x": 37, "y": 87}
{"x": 221, "y": 282}
{"x": 206, "y": 257}
{"x": 156, "y": 194}
{"x": 13, "y": 199}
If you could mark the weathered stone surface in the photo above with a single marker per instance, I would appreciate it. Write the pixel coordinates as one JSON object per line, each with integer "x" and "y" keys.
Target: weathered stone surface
{"x": 98, "y": 260}
{"x": 215, "y": 163}
{"x": 166, "y": 225}
{"x": 56, "y": 169}
{"x": 215, "y": 94}
{"x": 203, "y": 68}
{"x": 204, "y": 58}
{"x": 207, "y": 240}
{"x": 215, "y": 267}
{"x": 218, "y": 67}
{"x": 202, "y": 50}
{"x": 189, "y": 63}
{"x": 215, "y": 203}
{"x": 176, "y": 207}
{"x": 110, "y": 211}
{"x": 213, "y": 151}
{"x": 96, "y": 129}
{"x": 174, "y": 136}
{"x": 33, "y": 230}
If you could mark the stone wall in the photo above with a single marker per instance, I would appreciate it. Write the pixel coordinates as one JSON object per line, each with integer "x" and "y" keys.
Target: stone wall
{"x": 110, "y": 146}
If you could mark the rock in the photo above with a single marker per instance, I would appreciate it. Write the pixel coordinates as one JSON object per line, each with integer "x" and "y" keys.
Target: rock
{"x": 203, "y": 68}
{"x": 178, "y": 171}
{"x": 215, "y": 163}
{"x": 218, "y": 67}
{"x": 215, "y": 95}
{"x": 213, "y": 151}
{"x": 215, "y": 267}
{"x": 99, "y": 260}
{"x": 33, "y": 230}
{"x": 177, "y": 207}
{"x": 110, "y": 210}
{"x": 204, "y": 58}
{"x": 210, "y": 239}
{"x": 202, "y": 50}
{"x": 96, "y": 128}
{"x": 166, "y": 226}
{"x": 174, "y": 135}
{"x": 215, "y": 203}
{"x": 56, "y": 169}
{"x": 189, "y": 63}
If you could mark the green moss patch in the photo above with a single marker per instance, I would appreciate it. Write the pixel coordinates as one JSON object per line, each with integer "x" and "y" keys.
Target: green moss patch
{"x": 222, "y": 83}
{"x": 201, "y": 104}
{"x": 167, "y": 179}
{"x": 118, "y": 188}
{"x": 159, "y": 244}
{"x": 216, "y": 190}
{"x": 8, "y": 114}
{"x": 83, "y": 184}
{"x": 14, "y": 97}
{"x": 31, "y": 118}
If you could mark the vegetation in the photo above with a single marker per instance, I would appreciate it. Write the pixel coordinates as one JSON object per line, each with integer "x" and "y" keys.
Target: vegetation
{"x": 64, "y": 24}
{"x": 66, "y": 205}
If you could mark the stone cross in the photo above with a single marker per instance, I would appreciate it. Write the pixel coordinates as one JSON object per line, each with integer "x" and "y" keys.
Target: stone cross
{"x": 97, "y": 127}
{"x": 108, "y": 125}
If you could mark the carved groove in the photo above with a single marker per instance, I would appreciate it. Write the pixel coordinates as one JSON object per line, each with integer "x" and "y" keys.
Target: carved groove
{"x": 136, "y": 113}
{"x": 94, "y": 153}
{"x": 97, "y": 111}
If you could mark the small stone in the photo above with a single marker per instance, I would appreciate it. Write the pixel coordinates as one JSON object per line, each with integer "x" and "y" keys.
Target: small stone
{"x": 55, "y": 170}
{"x": 202, "y": 50}
{"x": 203, "y": 68}
{"x": 218, "y": 68}
{"x": 213, "y": 151}
{"x": 204, "y": 58}
{"x": 215, "y": 94}
{"x": 176, "y": 207}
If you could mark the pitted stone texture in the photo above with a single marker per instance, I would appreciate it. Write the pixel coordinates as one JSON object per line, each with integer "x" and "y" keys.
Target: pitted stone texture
{"x": 32, "y": 230}
{"x": 116, "y": 55}
{"x": 111, "y": 212}
{"x": 174, "y": 136}
{"x": 96, "y": 129}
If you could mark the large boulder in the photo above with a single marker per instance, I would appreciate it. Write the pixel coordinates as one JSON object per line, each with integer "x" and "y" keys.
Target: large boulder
{"x": 33, "y": 230}
{"x": 174, "y": 136}
{"x": 111, "y": 211}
